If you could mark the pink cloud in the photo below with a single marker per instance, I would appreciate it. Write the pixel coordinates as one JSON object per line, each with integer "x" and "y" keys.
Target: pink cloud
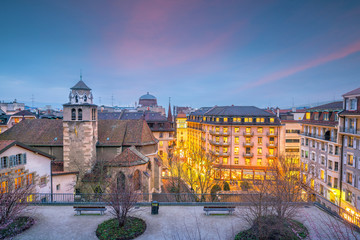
{"x": 342, "y": 53}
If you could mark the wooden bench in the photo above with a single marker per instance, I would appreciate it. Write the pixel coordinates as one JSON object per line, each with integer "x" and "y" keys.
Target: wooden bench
{"x": 229, "y": 209}
{"x": 78, "y": 209}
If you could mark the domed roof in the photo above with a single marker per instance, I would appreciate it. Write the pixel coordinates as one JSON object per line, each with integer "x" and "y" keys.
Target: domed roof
{"x": 147, "y": 96}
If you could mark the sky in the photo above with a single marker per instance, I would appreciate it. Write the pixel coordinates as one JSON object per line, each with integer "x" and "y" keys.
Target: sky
{"x": 199, "y": 53}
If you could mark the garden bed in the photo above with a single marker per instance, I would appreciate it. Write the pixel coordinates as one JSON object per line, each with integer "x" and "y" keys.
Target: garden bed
{"x": 19, "y": 225}
{"x": 109, "y": 230}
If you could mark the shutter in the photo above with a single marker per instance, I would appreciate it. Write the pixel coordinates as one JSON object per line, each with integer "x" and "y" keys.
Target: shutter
{"x": 346, "y": 123}
{"x": 24, "y": 158}
{"x": 344, "y": 157}
{"x": 11, "y": 161}
{"x": 1, "y": 161}
{"x": 354, "y": 181}
{"x": 355, "y": 140}
{"x": 345, "y": 141}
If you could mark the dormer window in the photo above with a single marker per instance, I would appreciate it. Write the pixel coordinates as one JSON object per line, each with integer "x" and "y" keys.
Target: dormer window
{"x": 326, "y": 116}
{"x": 316, "y": 116}
{"x": 352, "y": 104}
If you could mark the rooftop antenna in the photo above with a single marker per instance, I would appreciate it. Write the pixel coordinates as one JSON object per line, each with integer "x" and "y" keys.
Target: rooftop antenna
{"x": 80, "y": 75}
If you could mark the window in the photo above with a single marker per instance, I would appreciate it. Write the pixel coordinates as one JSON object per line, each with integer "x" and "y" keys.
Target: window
{"x": 326, "y": 116}
{"x": 225, "y": 150}
{"x": 161, "y": 143}
{"x": 330, "y": 165}
{"x": 73, "y": 114}
{"x": 316, "y": 116}
{"x": 335, "y": 183}
{"x": 259, "y": 151}
{"x": 161, "y": 153}
{"x": 29, "y": 179}
{"x": 161, "y": 135}
{"x": 260, "y": 140}
{"x": 225, "y": 139}
{"x": 79, "y": 114}
{"x": 329, "y": 181}
{"x": 271, "y": 130}
{"x": 225, "y": 160}
{"x": 237, "y": 119}
{"x": 292, "y": 140}
{"x": 247, "y": 140}
{"x": 247, "y": 161}
{"x": 352, "y": 104}
{"x": 248, "y": 130}
{"x": 336, "y": 166}
{"x": 348, "y": 196}
{"x": 17, "y": 182}
{"x": 217, "y": 129}
{"x": 307, "y": 116}
{"x": 4, "y": 163}
{"x": 351, "y": 142}
{"x": 225, "y": 119}
{"x": 225, "y": 129}
{"x": 259, "y": 129}
{"x": 248, "y": 119}
{"x": 271, "y": 120}
{"x": 58, "y": 187}
{"x": 236, "y": 129}
{"x": 236, "y": 150}
{"x": 271, "y": 152}
{"x": 217, "y": 119}
{"x": 350, "y": 159}
{"x": 236, "y": 160}
{"x": 259, "y": 161}
{"x": 323, "y": 160}
{"x": 336, "y": 117}
{"x": 217, "y": 139}
{"x": 236, "y": 139}
{"x": 322, "y": 174}
{"x": 349, "y": 178}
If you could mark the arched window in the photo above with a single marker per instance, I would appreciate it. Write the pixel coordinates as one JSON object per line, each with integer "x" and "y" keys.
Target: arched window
{"x": 80, "y": 114}
{"x": 85, "y": 98}
{"x": 121, "y": 181}
{"x": 137, "y": 180}
{"x": 73, "y": 114}
{"x": 76, "y": 98}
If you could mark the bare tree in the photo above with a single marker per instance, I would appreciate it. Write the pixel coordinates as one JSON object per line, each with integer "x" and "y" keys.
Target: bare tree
{"x": 122, "y": 198}
{"x": 14, "y": 198}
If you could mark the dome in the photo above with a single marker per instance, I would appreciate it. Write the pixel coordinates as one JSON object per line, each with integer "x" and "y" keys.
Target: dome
{"x": 147, "y": 96}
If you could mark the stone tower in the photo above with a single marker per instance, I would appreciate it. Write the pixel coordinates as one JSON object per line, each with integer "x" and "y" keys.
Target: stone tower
{"x": 80, "y": 129}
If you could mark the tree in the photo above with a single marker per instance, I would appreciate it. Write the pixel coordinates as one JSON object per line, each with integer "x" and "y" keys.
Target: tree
{"x": 122, "y": 198}
{"x": 199, "y": 171}
{"x": 14, "y": 197}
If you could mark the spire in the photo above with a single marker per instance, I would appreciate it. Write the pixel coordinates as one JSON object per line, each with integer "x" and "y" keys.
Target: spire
{"x": 80, "y": 75}
{"x": 169, "y": 112}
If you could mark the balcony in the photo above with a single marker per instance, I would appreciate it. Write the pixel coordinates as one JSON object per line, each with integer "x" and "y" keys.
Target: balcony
{"x": 248, "y": 134}
{"x": 248, "y": 144}
{"x": 327, "y": 138}
{"x": 271, "y": 134}
{"x": 268, "y": 155}
{"x": 218, "y": 133}
{"x": 220, "y": 143}
{"x": 220, "y": 154}
{"x": 248, "y": 154}
{"x": 271, "y": 145}
{"x": 349, "y": 130}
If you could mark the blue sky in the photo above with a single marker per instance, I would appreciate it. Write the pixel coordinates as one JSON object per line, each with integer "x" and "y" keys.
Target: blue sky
{"x": 199, "y": 53}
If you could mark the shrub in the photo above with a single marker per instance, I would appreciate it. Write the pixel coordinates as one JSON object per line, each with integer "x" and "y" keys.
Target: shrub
{"x": 17, "y": 226}
{"x": 226, "y": 186}
{"x": 110, "y": 230}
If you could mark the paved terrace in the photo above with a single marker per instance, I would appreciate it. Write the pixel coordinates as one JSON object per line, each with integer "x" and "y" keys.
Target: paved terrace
{"x": 173, "y": 222}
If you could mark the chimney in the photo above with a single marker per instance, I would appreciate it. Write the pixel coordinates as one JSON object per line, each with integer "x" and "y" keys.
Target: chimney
{"x": 277, "y": 112}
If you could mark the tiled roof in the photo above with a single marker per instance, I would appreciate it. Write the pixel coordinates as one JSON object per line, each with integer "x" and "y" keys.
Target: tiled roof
{"x": 353, "y": 92}
{"x": 80, "y": 86}
{"x": 36, "y": 132}
{"x": 110, "y": 132}
{"x": 129, "y": 157}
{"x": 24, "y": 113}
{"x": 131, "y": 115}
{"x": 108, "y": 116}
{"x": 237, "y": 111}
{"x": 329, "y": 106}
{"x": 201, "y": 111}
{"x": 349, "y": 113}
{"x": 2, "y": 112}
{"x": 181, "y": 115}
{"x": 6, "y": 144}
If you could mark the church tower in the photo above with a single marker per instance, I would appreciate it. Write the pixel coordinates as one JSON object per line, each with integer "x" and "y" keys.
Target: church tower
{"x": 80, "y": 129}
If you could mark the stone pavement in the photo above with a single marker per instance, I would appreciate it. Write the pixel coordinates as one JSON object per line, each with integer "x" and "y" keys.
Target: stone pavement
{"x": 173, "y": 222}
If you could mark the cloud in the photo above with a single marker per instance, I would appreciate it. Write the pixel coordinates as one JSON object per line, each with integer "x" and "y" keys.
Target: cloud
{"x": 342, "y": 53}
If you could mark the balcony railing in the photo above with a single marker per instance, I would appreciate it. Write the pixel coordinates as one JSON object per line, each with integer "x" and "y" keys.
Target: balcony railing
{"x": 268, "y": 155}
{"x": 248, "y": 144}
{"x": 271, "y": 145}
{"x": 349, "y": 130}
{"x": 219, "y": 133}
{"x": 331, "y": 139}
{"x": 271, "y": 134}
{"x": 248, "y": 133}
{"x": 220, "y": 143}
{"x": 248, "y": 154}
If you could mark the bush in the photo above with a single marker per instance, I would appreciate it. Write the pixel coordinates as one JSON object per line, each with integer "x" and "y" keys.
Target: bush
{"x": 271, "y": 227}
{"x": 109, "y": 230}
{"x": 226, "y": 186}
{"x": 19, "y": 225}
{"x": 245, "y": 185}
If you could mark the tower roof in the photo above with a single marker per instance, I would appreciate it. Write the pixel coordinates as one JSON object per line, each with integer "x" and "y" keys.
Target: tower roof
{"x": 80, "y": 86}
{"x": 147, "y": 96}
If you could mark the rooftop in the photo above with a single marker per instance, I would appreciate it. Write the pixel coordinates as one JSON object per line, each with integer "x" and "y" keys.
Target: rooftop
{"x": 237, "y": 111}
{"x": 353, "y": 92}
{"x": 80, "y": 86}
{"x": 333, "y": 106}
{"x": 147, "y": 96}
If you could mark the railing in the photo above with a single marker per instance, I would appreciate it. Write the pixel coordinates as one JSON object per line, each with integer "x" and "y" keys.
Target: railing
{"x": 268, "y": 155}
{"x": 349, "y": 130}
{"x": 271, "y": 134}
{"x": 248, "y": 144}
{"x": 331, "y": 139}
{"x": 219, "y": 133}
{"x": 220, "y": 143}
{"x": 248, "y": 154}
{"x": 144, "y": 198}
{"x": 248, "y": 133}
{"x": 271, "y": 145}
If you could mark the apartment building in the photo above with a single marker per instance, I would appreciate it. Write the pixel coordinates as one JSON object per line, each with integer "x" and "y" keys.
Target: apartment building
{"x": 350, "y": 138}
{"x": 320, "y": 152}
{"x": 181, "y": 133}
{"x": 243, "y": 139}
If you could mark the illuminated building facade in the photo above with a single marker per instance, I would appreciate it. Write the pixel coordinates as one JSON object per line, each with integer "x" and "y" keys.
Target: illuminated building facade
{"x": 350, "y": 137}
{"x": 321, "y": 153}
{"x": 181, "y": 132}
{"x": 244, "y": 140}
